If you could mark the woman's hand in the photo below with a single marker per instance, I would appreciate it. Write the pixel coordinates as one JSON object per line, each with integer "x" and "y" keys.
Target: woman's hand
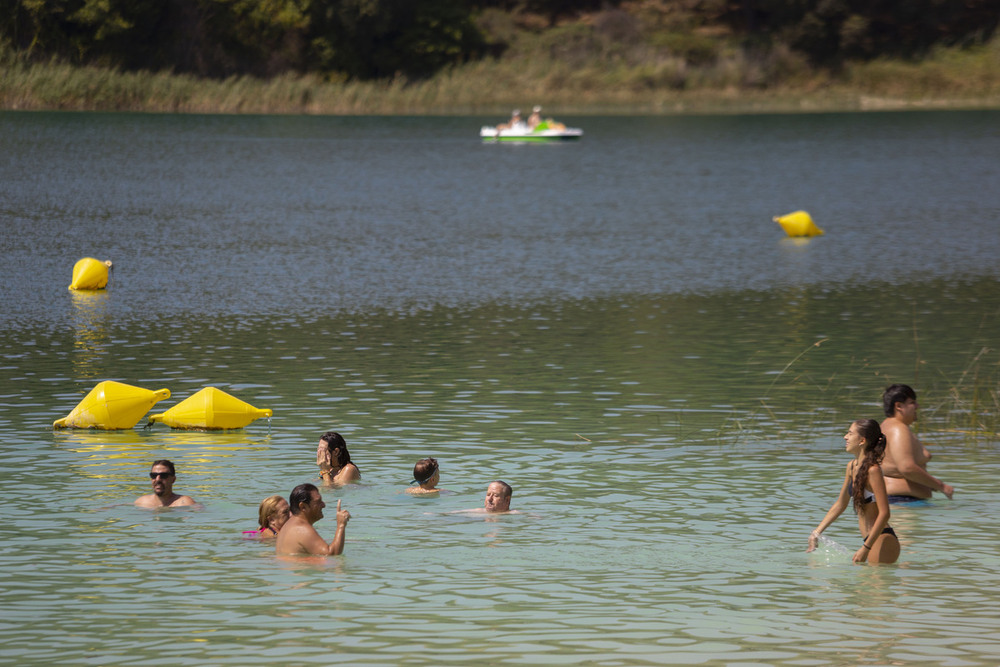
{"x": 323, "y": 458}
{"x": 861, "y": 555}
{"x": 813, "y": 541}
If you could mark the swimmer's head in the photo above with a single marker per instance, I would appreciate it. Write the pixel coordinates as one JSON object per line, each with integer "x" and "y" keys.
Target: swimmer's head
{"x": 896, "y": 393}
{"x": 337, "y": 446}
{"x": 498, "y": 495}
{"x": 424, "y": 470}
{"x": 273, "y": 512}
{"x": 303, "y": 494}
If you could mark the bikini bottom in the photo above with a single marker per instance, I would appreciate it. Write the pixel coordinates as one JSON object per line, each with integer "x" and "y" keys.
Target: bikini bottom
{"x": 893, "y": 499}
{"x": 887, "y": 529}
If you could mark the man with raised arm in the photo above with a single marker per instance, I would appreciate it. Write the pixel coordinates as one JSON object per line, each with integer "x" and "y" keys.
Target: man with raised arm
{"x": 905, "y": 463}
{"x": 298, "y": 537}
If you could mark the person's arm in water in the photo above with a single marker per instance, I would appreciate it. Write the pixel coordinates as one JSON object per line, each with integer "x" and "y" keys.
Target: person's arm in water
{"x": 901, "y": 443}
{"x": 319, "y": 547}
{"x": 877, "y": 483}
{"x": 838, "y": 507}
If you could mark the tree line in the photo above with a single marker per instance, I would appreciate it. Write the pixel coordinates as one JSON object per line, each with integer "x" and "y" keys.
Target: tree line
{"x": 374, "y": 39}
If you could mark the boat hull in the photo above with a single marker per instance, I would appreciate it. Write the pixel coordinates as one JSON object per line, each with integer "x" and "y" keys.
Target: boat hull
{"x": 491, "y": 134}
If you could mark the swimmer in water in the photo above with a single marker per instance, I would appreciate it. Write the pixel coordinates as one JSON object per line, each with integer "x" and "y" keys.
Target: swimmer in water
{"x": 271, "y": 516}
{"x": 298, "y": 537}
{"x": 426, "y": 474}
{"x": 334, "y": 461}
{"x": 163, "y": 476}
{"x": 905, "y": 465}
{"x": 864, "y": 486}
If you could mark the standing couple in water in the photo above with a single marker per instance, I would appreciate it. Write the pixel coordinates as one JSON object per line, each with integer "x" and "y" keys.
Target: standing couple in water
{"x": 889, "y": 465}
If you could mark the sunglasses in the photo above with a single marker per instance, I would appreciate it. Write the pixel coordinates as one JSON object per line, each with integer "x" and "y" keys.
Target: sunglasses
{"x": 154, "y": 475}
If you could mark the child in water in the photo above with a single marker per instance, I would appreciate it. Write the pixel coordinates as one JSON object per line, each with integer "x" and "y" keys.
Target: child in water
{"x": 426, "y": 474}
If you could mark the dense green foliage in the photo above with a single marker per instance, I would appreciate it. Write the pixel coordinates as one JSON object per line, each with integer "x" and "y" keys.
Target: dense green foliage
{"x": 357, "y": 38}
{"x": 382, "y": 39}
{"x": 832, "y": 31}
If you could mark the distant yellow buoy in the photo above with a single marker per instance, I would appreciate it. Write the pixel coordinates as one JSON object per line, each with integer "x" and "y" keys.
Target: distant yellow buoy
{"x": 112, "y": 406}
{"x": 210, "y": 408}
{"x": 798, "y": 223}
{"x": 90, "y": 273}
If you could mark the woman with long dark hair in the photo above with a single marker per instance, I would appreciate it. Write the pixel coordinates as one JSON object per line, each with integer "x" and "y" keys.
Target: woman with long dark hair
{"x": 334, "y": 461}
{"x": 864, "y": 486}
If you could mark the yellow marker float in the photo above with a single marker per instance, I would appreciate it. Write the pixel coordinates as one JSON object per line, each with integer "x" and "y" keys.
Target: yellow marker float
{"x": 798, "y": 223}
{"x": 112, "y": 406}
{"x": 210, "y": 408}
{"x": 90, "y": 273}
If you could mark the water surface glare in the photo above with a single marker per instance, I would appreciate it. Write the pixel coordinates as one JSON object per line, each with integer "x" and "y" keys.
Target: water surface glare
{"x": 615, "y": 327}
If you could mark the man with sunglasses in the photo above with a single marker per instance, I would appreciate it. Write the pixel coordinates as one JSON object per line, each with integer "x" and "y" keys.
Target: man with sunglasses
{"x": 162, "y": 477}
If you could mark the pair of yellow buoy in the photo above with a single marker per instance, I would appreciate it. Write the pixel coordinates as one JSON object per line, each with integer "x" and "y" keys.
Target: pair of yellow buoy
{"x": 798, "y": 223}
{"x": 115, "y": 406}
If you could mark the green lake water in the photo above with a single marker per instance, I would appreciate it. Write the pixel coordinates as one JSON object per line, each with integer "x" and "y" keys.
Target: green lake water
{"x": 615, "y": 327}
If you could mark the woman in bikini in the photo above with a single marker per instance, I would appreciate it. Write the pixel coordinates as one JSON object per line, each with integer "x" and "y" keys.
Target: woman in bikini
{"x": 865, "y": 487}
{"x": 334, "y": 461}
{"x": 272, "y": 515}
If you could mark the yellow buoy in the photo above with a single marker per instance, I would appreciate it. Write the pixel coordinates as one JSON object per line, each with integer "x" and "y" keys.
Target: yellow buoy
{"x": 90, "y": 273}
{"x": 210, "y": 408}
{"x": 111, "y": 406}
{"x": 798, "y": 223}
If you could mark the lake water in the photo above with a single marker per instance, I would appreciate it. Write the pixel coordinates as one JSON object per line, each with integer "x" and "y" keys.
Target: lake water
{"x": 616, "y": 327}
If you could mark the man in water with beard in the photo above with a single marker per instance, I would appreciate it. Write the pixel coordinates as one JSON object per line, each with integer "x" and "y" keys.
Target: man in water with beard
{"x": 162, "y": 475}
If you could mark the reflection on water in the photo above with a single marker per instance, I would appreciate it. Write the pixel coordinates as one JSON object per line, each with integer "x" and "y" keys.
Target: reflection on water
{"x": 91, "y": 317}
{"x": 667, "y": 398}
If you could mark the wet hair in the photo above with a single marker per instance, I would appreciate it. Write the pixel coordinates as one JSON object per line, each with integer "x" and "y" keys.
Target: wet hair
{"x": 424, "y": 469}
{"x": 338, "y": 448}
{"x": 164, "y": 462}
{"x": 508, "y": 492}
{"x": 268, "y": 508}
{"x": 873, "y": 453}
{"x": 896, "y": 393}
{"x": 300, "y": 494}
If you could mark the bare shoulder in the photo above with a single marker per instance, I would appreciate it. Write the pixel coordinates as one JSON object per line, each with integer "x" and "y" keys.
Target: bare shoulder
{"x": 346, "y": 475}
{"x": 897, "y": 434}
{"x": 184, "y": 501}
{"x": 893, "y": 426}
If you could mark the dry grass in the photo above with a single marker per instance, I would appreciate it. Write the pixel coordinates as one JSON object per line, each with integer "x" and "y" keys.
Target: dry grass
{"x": 577, "y": 81}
